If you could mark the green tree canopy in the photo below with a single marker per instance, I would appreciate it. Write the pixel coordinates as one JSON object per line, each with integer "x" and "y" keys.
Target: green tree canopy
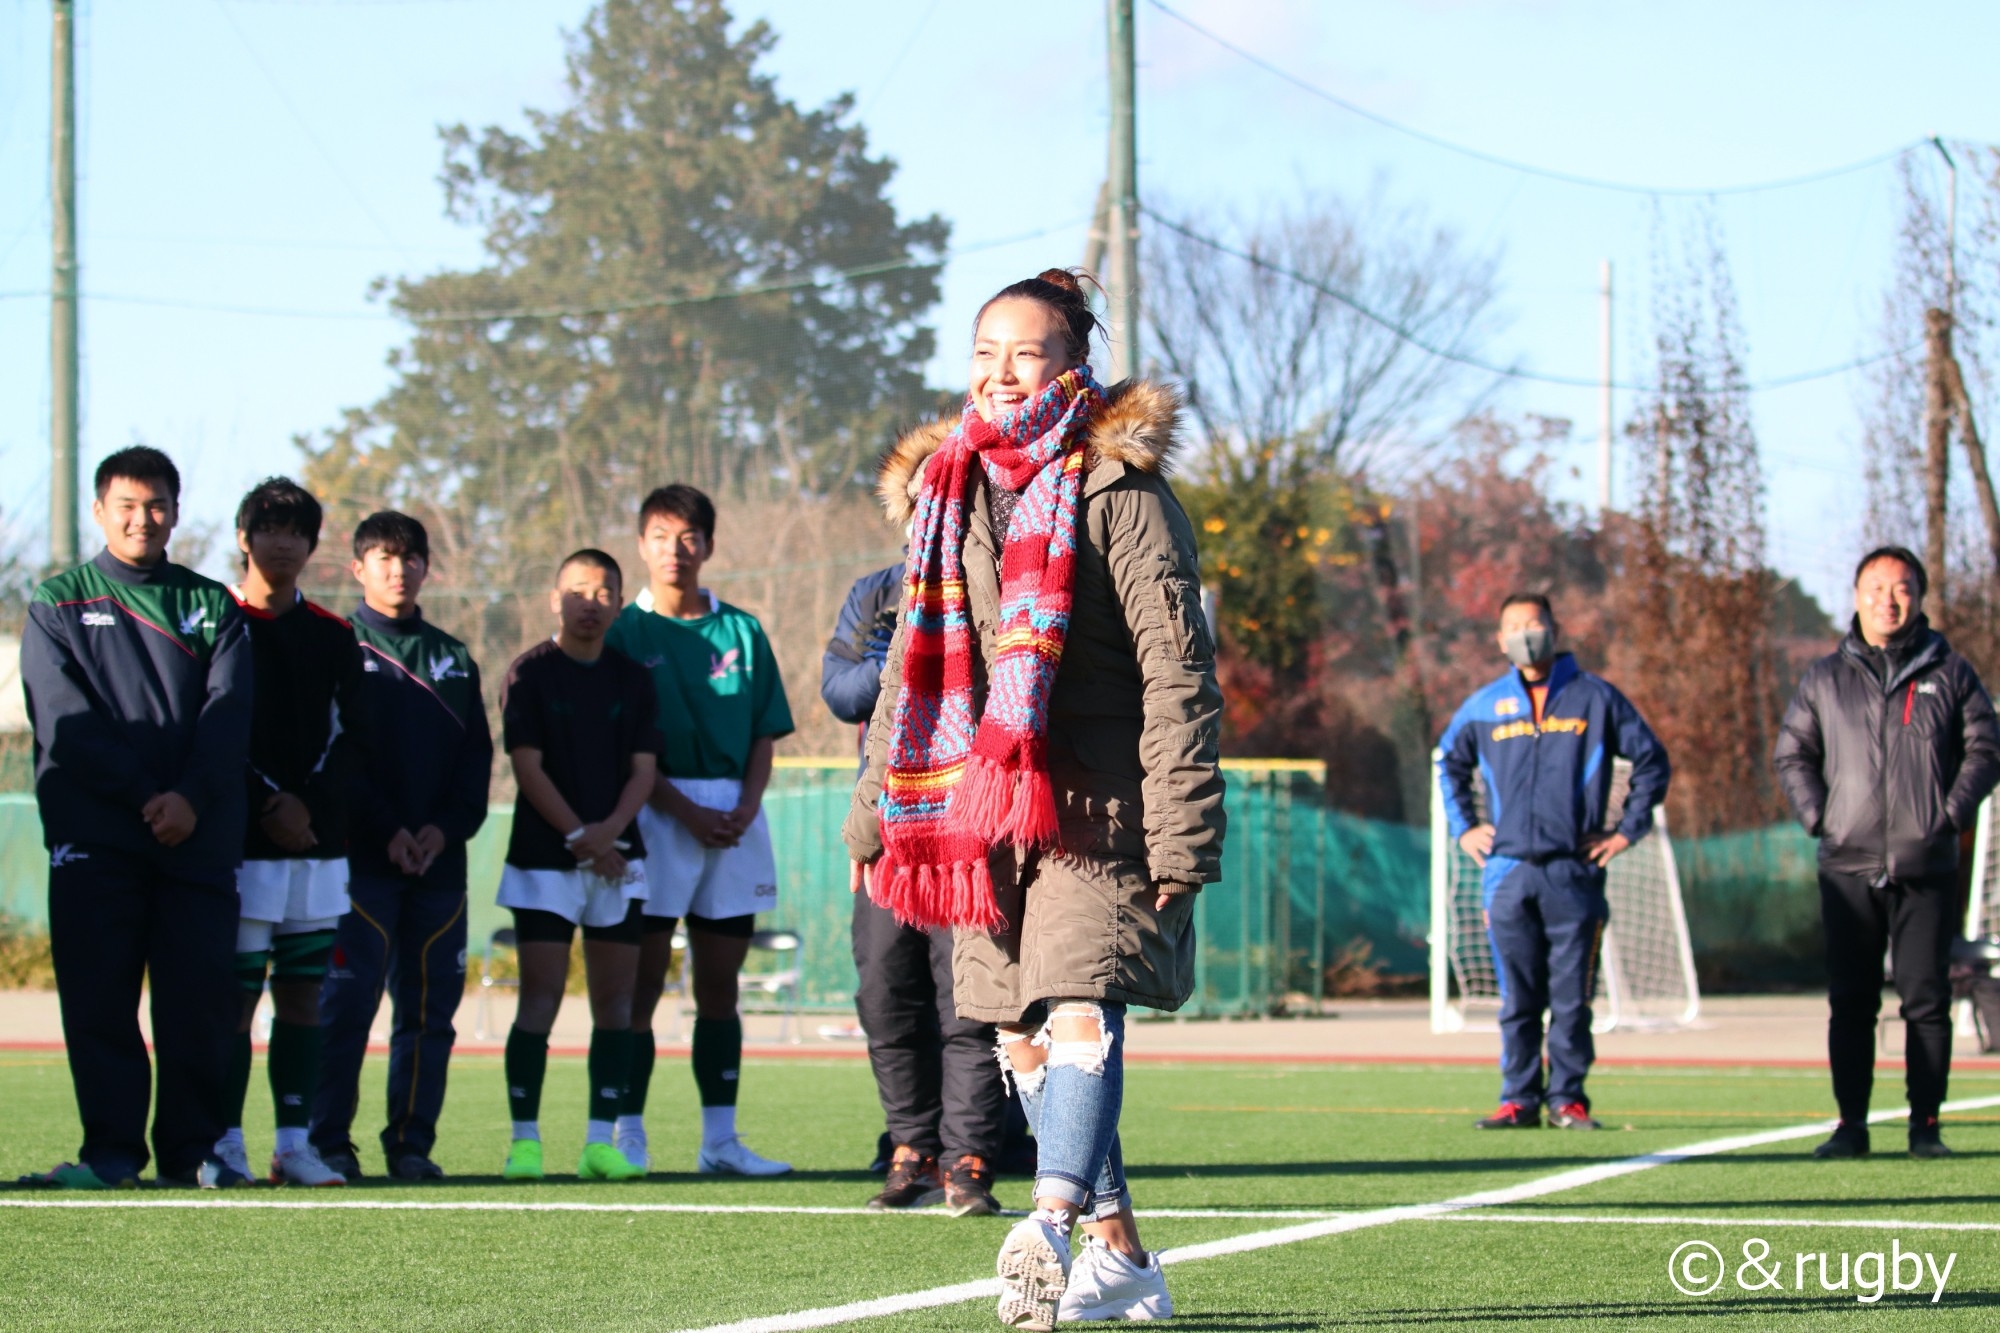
{"x": 689, "y": 278}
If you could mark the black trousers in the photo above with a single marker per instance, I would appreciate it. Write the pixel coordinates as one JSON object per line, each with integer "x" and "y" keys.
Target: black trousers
{"x": 404, "y": 937}
{"x": 934, "y": 1071}
{"x": 1913, "y": 921}
{"x": 117, "y": 921}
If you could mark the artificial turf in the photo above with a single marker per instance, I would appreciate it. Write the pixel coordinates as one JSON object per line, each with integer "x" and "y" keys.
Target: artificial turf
{"x": 1306, "y": 1139}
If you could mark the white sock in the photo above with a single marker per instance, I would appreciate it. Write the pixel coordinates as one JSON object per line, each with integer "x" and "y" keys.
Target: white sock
{"x": 596, "y": 1131}
{"x": 528, "y": 1129}
{"x": 718, "y": 1125}
{"x": 291, "y": 1138}
{"x": 630, "y": 1126}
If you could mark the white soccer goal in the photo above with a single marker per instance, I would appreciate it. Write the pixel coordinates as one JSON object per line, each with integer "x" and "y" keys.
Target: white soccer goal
{"x": 1646, "y": 978}
{"x": 1982, "y": 905}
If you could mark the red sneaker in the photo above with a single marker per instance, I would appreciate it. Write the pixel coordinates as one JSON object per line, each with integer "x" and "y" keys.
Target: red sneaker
{"x": 1572, "y": 1115}
{"x": 1512, "y": 1115}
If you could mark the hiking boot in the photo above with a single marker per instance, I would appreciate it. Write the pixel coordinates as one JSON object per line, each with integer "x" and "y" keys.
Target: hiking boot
{"x": 968, "y": 1188}
{"x": 1512, "y": 1115}
{"x": 1572, "y": 1115}
{"x": 1925, "y": 1140}
{"x": 1845, "y": 1141}
{"x": 913, "y": 1180}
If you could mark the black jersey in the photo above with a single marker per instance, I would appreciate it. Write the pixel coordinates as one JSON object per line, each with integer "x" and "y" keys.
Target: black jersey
{"x": 588, "y": 719}
{"x": 306, "y": 730}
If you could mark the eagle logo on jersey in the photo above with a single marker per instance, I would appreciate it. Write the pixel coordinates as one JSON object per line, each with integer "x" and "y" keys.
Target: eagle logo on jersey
{"x": 99, "y": 618}
{"x": 724, "y": 666}
{"x": 195, "y": 620}
{"x": 446, "y": 667}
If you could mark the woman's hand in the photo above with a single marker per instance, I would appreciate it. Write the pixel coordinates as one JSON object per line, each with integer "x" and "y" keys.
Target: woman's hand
{"x": 1169, "y": 890}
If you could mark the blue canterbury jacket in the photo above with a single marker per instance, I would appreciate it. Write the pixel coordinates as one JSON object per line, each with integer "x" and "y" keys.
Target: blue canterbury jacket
{"x": 1547, "y": 786}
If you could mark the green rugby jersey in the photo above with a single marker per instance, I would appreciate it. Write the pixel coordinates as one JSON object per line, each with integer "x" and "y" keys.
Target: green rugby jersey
{"x": 717, "y": 682}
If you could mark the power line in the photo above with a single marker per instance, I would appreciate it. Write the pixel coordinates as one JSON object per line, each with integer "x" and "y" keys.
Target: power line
{"x": 1508, "y": 372}
{"x": 1529, "y": 168}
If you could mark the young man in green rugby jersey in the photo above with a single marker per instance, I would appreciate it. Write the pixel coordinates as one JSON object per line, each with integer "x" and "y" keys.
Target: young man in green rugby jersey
{"x": 708, "y": 847}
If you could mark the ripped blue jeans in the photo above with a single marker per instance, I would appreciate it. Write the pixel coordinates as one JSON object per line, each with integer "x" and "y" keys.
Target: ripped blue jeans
{"x": 1072, "y": 1104}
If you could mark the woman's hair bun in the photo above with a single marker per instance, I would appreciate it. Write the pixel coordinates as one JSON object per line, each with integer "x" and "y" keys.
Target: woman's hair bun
{"x": 1061, "y": 278}
{"x": 1061, "y": 290}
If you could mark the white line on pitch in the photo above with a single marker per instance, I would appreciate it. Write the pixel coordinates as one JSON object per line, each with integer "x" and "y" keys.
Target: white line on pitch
{"x": 1861, "y": 1223}
{"x": 1561, "y": 1181}
{"x": 320, "y": 1202}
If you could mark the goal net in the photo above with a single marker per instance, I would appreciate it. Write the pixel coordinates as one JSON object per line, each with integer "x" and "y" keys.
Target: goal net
{"x": 1982, "y": 906}
{"x": 1645, "y": 978}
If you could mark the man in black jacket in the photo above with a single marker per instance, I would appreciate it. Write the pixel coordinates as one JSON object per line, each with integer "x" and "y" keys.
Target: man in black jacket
{"x": 138, "y": 677}
{"x": 1885, "y": 753}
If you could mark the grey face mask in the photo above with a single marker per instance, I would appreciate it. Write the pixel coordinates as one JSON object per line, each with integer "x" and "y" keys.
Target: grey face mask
{"x": 1525, "y": 647}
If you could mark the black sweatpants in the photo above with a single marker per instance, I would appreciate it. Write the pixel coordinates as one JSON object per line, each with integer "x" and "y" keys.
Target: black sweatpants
{"x": 934, "y": 1071}
{"x": 116, "y": 922}
{"x": 1914, "y": 922}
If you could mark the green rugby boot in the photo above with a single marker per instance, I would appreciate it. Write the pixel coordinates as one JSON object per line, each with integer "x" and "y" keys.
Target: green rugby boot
{"x": 524, "y": 1160}
{"x": 601, "y": 1161}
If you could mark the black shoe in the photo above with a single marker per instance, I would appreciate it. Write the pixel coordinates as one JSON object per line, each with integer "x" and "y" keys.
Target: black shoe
{"x": 1512, "y": 1115}
{"x": 1845, "y": 1141}
{"x": 412, "y": 1166}
{"x": 913, "y": 1181}
{"x": 1925, "y": 1142}
{"x": 968, "y": 1188}
{"x": 345, "y": 1162}
{"x": 1572, "y": 1115}
{"x": 884, "y": 1151}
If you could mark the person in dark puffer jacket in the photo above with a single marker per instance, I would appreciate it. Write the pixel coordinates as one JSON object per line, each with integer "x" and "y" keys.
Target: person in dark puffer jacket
{"x": 1885, "y": 753}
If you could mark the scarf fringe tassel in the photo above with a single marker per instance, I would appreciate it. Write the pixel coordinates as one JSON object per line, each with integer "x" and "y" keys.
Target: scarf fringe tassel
{"x": 959, "y": 895}
{"x": 997, "y": 804}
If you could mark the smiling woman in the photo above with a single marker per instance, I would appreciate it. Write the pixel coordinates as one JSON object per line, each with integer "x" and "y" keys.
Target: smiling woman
{"x": 1042, "y": 773}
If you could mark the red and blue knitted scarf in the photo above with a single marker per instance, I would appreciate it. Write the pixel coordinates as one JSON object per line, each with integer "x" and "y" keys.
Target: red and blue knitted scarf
{"x": 959, "y": 785}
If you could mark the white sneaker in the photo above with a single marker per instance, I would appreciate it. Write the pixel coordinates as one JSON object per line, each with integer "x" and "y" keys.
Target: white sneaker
{"x": 632, "y": 1144}
{"x": 1034, "y": 1271}
{"x": 233, "y": 1156}
{"x": 733, "y": 1158}
{"x": 302, "y": 1166}
{"x": 1105, "y": 1284}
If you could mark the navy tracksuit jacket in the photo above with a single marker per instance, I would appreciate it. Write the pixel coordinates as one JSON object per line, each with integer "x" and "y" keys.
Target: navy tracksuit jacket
{"x": 1546, "y": 788}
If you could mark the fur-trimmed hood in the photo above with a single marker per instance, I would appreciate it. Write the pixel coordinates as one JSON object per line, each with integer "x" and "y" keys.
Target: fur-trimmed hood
{"x": 1139, "y": 428}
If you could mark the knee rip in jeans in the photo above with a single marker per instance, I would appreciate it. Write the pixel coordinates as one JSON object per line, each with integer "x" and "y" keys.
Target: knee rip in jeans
{"x": 1028, "y": 1082}
{"x": 1087, "y": 1054}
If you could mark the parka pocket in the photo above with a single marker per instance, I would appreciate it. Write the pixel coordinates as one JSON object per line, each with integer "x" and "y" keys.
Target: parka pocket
{"x": 1180, "y": 599}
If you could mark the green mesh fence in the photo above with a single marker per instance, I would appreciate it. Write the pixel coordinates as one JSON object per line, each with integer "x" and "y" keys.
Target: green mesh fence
{"x": 1312, "y": 902}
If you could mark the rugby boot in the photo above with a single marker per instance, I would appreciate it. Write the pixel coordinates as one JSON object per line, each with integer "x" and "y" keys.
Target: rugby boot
{"x": 1845, "y": 1141}
{"x": 1034, "y": 1271}
{"x": 968, "y": 1188}
{"x": 1925, "y": 1140}
{"x": 303, "y": 1166}
{"x": 1107, "y": 1284}
{"x": 1512, "y": 1115}
{"x": 601, "y": 1161}
{"x": 524, "y": 1160}
{"x": 733, "y": 1157}
{"x": 913, "y": 1180}
{"x": 1572, "y": 1115}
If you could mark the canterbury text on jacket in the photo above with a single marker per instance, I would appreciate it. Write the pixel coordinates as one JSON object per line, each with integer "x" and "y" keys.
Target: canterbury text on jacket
{"x": 432, "y": 756}
{"x": 1547, "y": 786}
{"x": 1886, "y": 772}
{"x": 139, "y": 682}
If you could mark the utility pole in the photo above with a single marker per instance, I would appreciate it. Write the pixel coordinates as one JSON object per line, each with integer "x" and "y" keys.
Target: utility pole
{"x": 1603, "y": 391}
{"x": 1940, "y": 367}
{"x": 62, "y": 293}
{"x": 1124, "y": 191}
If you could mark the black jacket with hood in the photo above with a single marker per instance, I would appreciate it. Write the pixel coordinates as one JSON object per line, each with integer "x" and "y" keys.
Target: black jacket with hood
{"x": 1886, "y": 753}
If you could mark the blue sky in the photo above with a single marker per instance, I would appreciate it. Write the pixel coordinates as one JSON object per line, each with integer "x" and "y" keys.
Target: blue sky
{"x": 258, "y": 156}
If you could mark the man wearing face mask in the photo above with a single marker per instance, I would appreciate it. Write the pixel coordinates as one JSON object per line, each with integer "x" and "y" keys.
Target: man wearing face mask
{"x": 1543, "y": 736}
{"x": 1886, "y": 752}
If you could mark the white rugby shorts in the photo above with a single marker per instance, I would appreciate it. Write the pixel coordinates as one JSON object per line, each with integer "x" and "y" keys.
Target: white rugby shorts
{"x": 579, "y": 896}
{"x": 297, "y": 893}
{"x": 714, "y": 882}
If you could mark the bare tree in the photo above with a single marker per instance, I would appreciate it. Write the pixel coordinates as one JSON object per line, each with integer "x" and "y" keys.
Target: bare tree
{"x": 1260, "y": 322}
